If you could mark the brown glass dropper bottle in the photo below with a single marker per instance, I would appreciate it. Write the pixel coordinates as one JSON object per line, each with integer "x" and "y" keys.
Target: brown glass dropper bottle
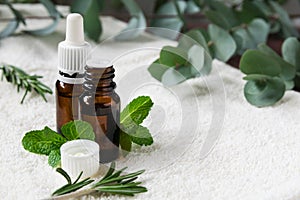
{"x": 72, "y": 55}
{"x": 100, "y": 106}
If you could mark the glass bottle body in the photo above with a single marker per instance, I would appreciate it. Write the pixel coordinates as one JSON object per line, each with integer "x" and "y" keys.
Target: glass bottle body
{"x": 100, "y": 106}
{"x": 66, "y": 102}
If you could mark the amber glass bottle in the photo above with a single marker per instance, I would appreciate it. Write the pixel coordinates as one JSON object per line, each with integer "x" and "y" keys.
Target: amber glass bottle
{"x": 100, "y": 106}
{"x": 67, "y": 101}
{"x": 72, "y": 55}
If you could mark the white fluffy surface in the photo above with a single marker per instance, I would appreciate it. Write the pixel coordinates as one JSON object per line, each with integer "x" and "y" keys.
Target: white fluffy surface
{"x": 256, "y": 156}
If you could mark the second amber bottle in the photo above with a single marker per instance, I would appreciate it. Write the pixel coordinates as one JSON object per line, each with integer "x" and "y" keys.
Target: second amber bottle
{"x": 100, "y": 106}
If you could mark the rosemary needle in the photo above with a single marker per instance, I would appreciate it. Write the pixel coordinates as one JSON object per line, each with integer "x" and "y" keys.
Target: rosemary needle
{"x": 25, "y": 81}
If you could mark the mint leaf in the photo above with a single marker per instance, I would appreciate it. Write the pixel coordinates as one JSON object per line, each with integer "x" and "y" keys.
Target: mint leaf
{"x": 78, "y": 130}
{"x": 136, "y": 111}
{"x": 141, "y": 136}
{"x": 125, "y": 141}
{"x": 54, "y": 158}
{"x": 42, "y": 141}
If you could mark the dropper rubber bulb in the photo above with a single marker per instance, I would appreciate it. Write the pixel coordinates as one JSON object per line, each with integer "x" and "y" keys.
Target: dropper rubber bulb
{"x": 74, "y": 29}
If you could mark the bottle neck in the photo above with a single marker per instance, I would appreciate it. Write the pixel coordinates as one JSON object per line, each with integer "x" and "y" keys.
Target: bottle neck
{"x": 99, "y": 80}
{"x": 71, "y": 78}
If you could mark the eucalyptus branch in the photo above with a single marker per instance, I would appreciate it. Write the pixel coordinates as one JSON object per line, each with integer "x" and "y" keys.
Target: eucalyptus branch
{"x": 180, "y": 15}
{"x": 25, "y": 81}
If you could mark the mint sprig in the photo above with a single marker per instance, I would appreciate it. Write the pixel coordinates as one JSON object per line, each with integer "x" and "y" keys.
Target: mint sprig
{"x": 131, "y": 119}
{"x": 48, "y": 142}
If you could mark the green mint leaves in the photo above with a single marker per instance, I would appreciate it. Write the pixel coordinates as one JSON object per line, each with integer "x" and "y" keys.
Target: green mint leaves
{"x": 48, "y": 142}
{"x": 131, "y": 118}
{"x": 42, "y": 141}
{"x": 136, "y": 111}
{"x": 78, "y": 130}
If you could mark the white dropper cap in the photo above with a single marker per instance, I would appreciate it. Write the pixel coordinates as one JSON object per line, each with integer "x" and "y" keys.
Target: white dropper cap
{"x": 73, "y": 52}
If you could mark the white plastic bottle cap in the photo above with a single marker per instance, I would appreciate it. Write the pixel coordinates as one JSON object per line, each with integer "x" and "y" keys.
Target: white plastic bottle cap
{"x": 80, "y": 156}
{"x": 73, "y": 52}
{"x": 98, "y": 63}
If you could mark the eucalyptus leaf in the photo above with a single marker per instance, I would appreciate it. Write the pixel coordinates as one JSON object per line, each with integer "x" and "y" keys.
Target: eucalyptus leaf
{"x": 288, "y": 71}
{"x": 137, "y": 23}
{"x": 264, "y": 91}
{"x": 291, "y": 52}
{"x": 289, "y": 85}
{"x": 173, "y": 56}
{"x": 172, "y": 77}
{"x": 249, "y": 37}
{"x": 256, "y": 62}
{"x": 297, "y": 81}
{"x": 287, "y": 27}
{"x": 222, "y": 15}
{"x": 200, "y": 60}
{"x": 252, "y": 10}
{"x": 224, "y": 45}
{"x": 218, "y": 19}
{"x": 90, "y": 11}
{"x": 157, "y": 70}
{"x": 52, "y": 27}
{"x": 254, "y": 77}
{"x": 9, "y": 29}
{"x": 192, "y": 7}
{"x": 174, "y": 23}
{"x": 193, "y": 37}
{"x": 196, "y": 56}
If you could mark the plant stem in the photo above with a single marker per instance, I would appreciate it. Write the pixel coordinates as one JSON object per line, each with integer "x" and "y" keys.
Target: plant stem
{"x": 73, "y": 194}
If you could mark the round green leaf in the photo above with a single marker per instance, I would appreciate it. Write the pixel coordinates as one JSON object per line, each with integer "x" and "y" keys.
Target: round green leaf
{"x": 251, "y": 10}
{"x": 157, "y": 70}
{"x": 193, "y": 37}
{"x": 264, "y": 91}
{"x": 222, "y": 15}
{"x": 291, "y": 52}
{"x": 192, "y": 7}
{"x": 137, "y": 23}
{"x": 288, "y": 71}
{"x": 200, "y": 60}
{"x": 90, "y": 10}
{"x": 223, "y": 44}
{"x": 289, "y": 85}
{"x": 261, "y": 35}
{"x": 173, "y": 56}
{"x": 173, "y": 23}
{"x": 287, "y": 26}
{"x": 256, "y": 62}
{"x": 173, "y": 77}
{"x": 249, "y": 38}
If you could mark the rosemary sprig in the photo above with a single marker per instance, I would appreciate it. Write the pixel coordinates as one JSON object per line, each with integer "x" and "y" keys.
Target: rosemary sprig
{"x": 25, "y": 81}
{"x": 71, "y": 187}
{"x": 115, "y": 183}
{"x": 112, "y": 183}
